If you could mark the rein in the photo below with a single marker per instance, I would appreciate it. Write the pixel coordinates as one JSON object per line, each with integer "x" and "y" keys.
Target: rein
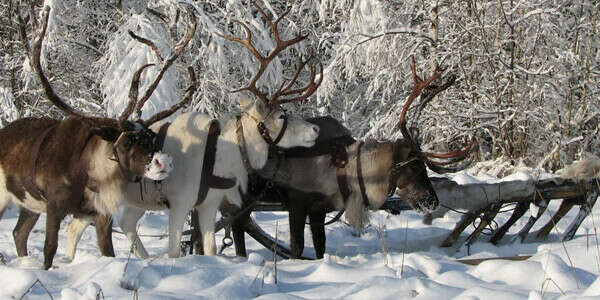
{"x": 242, "y": 146}
{"x": 264, "y": 132}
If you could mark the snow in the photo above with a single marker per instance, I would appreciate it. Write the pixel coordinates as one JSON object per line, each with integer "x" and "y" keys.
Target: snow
{"x": 354, "y": 267}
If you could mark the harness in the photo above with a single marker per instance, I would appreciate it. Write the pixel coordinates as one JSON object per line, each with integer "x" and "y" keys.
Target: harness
{"x": 78, "y": 183}
{"x": 252, "y": 176}
{"x": 208, "y": 179}
{"x": 29, "y": 179}
{"x": 339, "y": 158}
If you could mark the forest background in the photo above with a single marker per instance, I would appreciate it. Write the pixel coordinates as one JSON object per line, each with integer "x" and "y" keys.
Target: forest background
{"x": 527, "y": 72}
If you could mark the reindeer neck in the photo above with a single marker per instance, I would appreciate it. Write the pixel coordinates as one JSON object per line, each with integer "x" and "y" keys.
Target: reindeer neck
{"x": 98, "y": 156}
{"x": 256, "y": 147}
{"x": 376, "y": 160}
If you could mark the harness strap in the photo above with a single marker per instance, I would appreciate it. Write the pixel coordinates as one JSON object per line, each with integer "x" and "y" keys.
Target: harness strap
{"x": 342, "y": 181}
{"x": 264, "y": 132}
{"x": 361, "y": 181}
{"x": 208, "y": 179}
{"x": 29, "y": 179}
{"x": 242, "y": 145}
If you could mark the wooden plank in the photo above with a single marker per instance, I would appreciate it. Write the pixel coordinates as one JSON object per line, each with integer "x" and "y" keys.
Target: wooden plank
{"x": 477, "y": 261}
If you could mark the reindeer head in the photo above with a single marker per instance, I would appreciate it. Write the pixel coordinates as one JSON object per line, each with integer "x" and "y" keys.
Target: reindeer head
{"x": 276, "y": 126}
{"x": 409, "y": 169}
{"x": 133, "y": 143}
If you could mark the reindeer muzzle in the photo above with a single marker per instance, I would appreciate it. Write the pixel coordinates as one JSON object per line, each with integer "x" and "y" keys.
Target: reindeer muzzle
{"x": 159, "y": 167}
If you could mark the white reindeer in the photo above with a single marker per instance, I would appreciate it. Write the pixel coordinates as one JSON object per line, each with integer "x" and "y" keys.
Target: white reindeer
{"x": 241, "y": 148}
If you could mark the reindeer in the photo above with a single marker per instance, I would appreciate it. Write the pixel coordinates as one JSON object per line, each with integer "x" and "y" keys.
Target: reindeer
{"x": 213, "y": 158}
{"x": 80, "y": 165}
{"x": 314, "y": 182}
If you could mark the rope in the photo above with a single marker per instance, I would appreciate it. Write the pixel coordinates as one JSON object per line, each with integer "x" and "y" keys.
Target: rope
{"x": 164, "y": 235}
{"x": 333, "y": 220}
{"x": 489, "y": 229}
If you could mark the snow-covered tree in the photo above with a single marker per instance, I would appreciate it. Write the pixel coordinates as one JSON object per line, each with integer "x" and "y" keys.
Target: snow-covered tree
{"x": 527, "y": 71}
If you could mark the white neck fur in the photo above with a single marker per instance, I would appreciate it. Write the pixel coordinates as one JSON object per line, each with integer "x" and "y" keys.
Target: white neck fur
{"x": 256, "y": 147}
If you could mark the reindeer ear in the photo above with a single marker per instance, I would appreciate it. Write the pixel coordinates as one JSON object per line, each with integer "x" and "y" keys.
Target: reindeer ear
{"x": 245, "y": 102}
{"x": 261, "y": 107}
{"x": 107, "y": 133}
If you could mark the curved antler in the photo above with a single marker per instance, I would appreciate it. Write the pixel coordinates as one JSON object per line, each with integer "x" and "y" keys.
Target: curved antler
{"x": 280, "y": 45}
{"x": 418, "y": 86}
{"x": 189, "y": 93}
{"x": 165, "y": 64}
{"x": 454, "y": 154}
{"x": 48, "y": 90}
{"x": 133, "y": 94}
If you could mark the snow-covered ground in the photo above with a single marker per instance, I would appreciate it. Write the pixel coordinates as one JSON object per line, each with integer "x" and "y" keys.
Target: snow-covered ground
{"x": 395, "y": 258}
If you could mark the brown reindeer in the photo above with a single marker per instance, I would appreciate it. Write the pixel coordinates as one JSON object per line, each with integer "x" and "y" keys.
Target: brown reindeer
{"x": 82, "y": 164}
{"x": 313, "y": 182}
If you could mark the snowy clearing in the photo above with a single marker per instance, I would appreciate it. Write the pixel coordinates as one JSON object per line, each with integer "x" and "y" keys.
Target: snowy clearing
{"x": 371, "y": 266}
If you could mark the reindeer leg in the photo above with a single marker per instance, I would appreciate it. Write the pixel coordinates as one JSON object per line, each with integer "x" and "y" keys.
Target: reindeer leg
{"x": 317, "y": 219}
{"x": 239, "y": 235}
{"x": 196, "y": 235}
{"x": 25, "y": 223}
{"x": 466, "y": 219}
{"x": 584, "y": 211}
{"x": 128, "y": 222}
{"x": 519, "y": 211}
{"x": 74, "y": 233}
{"x": 297, "y": 217}
{"x": 104, "y": 234}
{"x": 54, "y": 216}
{"x": 564, "y": 208}
{"x": 207, "y": 212}
{"x": 541, "y": 208}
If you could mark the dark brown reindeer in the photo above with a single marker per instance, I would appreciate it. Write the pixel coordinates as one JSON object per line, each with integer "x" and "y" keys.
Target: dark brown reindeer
{"x": 80, "y": 165}
{"x": 313, "y": 182}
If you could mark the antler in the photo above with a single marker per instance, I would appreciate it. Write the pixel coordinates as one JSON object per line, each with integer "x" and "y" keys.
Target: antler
{"x": 135, "y": 106}
{"x": 184, "y": 101}
{"x": 48, "y": 90}
{"x": 280, "y": 45}
{"x": 462, "y": 153}
{"x": 419, "y": 85}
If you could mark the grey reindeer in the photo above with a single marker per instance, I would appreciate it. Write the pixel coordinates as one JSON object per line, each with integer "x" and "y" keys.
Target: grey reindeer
{"x": 314, "y": 182}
